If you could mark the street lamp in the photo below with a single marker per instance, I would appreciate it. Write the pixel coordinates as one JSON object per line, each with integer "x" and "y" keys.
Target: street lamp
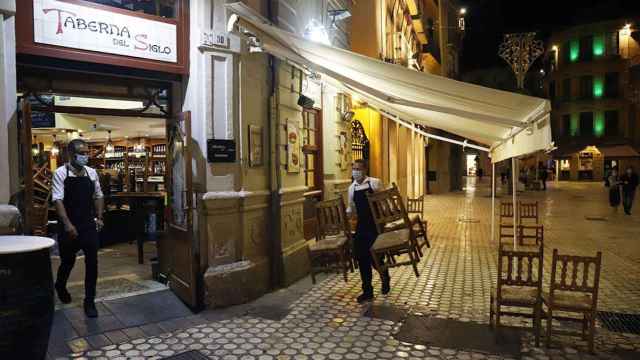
{"x": 463, "y": 11}
{"x": 520, "y": 50}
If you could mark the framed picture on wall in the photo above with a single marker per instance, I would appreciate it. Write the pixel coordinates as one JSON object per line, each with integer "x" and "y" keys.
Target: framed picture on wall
{"x": 256, "y": 150}
{"x": 293, "y": 146}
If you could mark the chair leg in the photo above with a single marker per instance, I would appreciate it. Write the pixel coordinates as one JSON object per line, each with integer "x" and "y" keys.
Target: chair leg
{"x": 592, "y": 332}
{"x": 537, "y": 322}
{"x": 549, "y": 325}
{"x": 491, "y": 300}
{"x": 313, "y": 275}
{"x": 497, "y": 315}
{"x": 376, "y": 262}
{"x": 414, "y": 263}
{"x": 585, "y": 325}
{"x": 426, "y": 235}
{"x": 344, "y": 265}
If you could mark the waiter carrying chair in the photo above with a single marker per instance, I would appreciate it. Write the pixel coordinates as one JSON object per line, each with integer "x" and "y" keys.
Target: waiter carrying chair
{"x": 366, "y": 231}
{"x": 79, "y": 204}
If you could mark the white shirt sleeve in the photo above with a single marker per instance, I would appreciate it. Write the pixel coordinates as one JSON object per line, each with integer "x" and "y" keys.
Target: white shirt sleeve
{"x": 97, "y": 191}
{"x": 57, "y": 188}
{"x": 376, "y": 184}
{"x": 352, "y": 204}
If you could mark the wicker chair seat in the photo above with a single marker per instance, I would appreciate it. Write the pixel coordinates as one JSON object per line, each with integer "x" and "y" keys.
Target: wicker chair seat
{"x": 390, "y": 239}
{"x": 569, "y": 300}
{"x": 328, "y": 243}
{"x": 522, "y": 295}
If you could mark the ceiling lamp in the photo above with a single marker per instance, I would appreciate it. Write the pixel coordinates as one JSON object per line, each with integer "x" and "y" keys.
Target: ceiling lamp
{"x": 109, "y": 148}
{"x": 35, "y": 149}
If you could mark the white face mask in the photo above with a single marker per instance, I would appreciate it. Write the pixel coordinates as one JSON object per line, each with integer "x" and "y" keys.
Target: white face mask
{"x": 357, "y": 175}
{"x": 82, "y": 160}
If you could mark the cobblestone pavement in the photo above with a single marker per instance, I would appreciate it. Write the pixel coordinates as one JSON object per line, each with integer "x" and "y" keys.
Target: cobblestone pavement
{"x": 455, "y": 281}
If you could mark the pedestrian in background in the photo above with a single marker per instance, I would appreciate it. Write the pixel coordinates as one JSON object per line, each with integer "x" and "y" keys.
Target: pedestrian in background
{"x": 542, "y": 175}
{"x": 480, "y": 172}
{"x": 629, "y": 183}
{"x": 614, "y": 189}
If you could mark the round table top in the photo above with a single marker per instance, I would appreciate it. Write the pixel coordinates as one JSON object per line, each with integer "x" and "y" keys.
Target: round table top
{"x": 13, "y": 244}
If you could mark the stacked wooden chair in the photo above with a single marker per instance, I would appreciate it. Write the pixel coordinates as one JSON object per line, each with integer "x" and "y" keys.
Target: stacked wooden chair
{"x": 505, "y": 223}
{"x": 528, "y": 212}
{"x": 574, "y": 289}
{"x": 415, "y": 207}
{"x": 42, "y": 183}
{"x": 388, "y": 207}
{"x": 332, "y": 250}
{"x": 519, "y": 285}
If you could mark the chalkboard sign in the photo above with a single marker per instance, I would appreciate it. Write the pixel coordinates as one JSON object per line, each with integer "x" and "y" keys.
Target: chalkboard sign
{"x": 221, "y": 151}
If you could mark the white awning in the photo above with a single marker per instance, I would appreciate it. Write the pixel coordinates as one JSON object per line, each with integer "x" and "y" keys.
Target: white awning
{"x": 511, "y": 124}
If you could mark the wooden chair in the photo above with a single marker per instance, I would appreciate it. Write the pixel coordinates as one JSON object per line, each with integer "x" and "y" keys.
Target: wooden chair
{"x": 531, "y": 235}
{"x": 387, "y": 207}
{"x": 332, "y": 250}
{"x": 528, "y": 211}
{"x": 519, "y": 284}
{"x": 505, "y": 225}
{"x": 574, "y": 289}
{"x": 416, "y": 208}
{"x": 39, "y": 214}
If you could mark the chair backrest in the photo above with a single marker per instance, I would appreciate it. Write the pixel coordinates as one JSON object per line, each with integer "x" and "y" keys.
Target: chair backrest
{"x": 576, "y": 274}
{"x": 528, "y": 210}
{"x": 531, "y": 235}
{"x": 519, "y": 267}
{"x": 387, "y": 207}
{"x": 415, "y": 206}
{"x": 332, "y": 220}
{"x": 506, "y": 210}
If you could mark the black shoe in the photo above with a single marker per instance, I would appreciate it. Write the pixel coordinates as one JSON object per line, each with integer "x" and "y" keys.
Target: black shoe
{"x": 63, "y": 294}
{"x": 365, "y": 297}
{"x": 386, "y": 285}
{"x": 90, "y": 309}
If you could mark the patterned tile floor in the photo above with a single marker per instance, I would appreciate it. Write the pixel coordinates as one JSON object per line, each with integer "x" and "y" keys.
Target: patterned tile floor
{"x": 455, "y": 281}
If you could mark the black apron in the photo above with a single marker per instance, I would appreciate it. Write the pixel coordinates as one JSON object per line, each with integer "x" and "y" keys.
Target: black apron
{"x": 78, "y": 200}
{"x": 366, "y": 231}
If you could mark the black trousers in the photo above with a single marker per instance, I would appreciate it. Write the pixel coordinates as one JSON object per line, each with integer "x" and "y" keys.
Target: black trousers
{"x": 88, "y": 242}
{"x": 627, "y": 200}
{"x": 363, "y": 243}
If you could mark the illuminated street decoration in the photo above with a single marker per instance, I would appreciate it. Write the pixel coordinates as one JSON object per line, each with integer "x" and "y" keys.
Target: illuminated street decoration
{"x": 574, "y": 125}
{"x": 520, "y": 51}
{"x": 574, "y": 50}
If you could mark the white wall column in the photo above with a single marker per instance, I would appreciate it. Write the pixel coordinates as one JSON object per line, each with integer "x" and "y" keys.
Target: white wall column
{"x": 8, "y": 114}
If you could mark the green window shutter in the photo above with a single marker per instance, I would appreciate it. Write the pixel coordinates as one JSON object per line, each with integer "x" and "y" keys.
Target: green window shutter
{"x": 599, "y": 124}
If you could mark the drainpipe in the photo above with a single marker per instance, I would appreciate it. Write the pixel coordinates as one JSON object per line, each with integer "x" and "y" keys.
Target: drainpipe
{"x": 275, "y": 179}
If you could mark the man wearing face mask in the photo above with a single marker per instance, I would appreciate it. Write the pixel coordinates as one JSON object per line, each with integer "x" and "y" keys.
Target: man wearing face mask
{"x": 629, "y": 183}
{"x": 366, "y": 232}
{"x": 78, "y": 200}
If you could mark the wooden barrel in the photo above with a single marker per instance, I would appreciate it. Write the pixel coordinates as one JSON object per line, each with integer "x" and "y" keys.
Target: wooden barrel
{"x": 26, "y": 297}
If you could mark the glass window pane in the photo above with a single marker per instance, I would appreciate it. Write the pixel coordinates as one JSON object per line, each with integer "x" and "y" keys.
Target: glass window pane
{"x": 161, "y": 8}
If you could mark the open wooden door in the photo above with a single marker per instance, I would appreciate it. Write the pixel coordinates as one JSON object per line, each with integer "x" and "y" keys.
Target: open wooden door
{"x": 183, "y": 268}
{"x": 26, "y": 164}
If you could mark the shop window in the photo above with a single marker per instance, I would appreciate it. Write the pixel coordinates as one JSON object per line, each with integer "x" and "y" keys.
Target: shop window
{"x": 566, "y": 125}
{"x": 586, "y": 124}
{"x": 611, "y": 123}
{"x": 161, "y": 8}
{"x": 611, "y": 85}
{"x": 598, "y": 87}
{"x": 586, "y": 48}
{"x": 599, "y": 124}
{"x": 612, "y": 43}
{"x": 566, "y": 90}
{"x": 598, "y": 45}
{"x": 312, "y": 148}
{"x": 586, "y": 87}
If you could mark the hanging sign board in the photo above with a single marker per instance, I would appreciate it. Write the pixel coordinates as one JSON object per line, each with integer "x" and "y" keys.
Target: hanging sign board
{"x": 87, "y": 28}
{"x": 221, "y": 151}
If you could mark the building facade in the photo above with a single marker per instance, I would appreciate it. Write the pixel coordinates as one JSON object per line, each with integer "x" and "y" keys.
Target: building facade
{"x": 592, "y": 82}
{"x": 422, "y": 35}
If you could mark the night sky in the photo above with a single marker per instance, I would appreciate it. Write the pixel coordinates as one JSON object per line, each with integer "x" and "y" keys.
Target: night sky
{"x": 488, "y": 20}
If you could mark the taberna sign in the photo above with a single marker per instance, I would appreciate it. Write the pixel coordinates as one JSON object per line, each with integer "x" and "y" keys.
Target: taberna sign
{"x": 87, "y": 28}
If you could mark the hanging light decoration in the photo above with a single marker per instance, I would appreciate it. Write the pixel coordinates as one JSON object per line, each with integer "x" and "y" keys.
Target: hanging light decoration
{"x": 35, "y": 149}
{"x": 54, "y": 148}
{"x": 109, "y": 148}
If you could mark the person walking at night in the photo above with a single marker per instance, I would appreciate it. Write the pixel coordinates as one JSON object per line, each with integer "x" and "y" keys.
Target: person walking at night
{"x": 629, "y": 182}
{"x": 79, "y": 203}
{"x": 366, "y": 232}
{"x": 614, "y": 189}
{"x": 480, "y": 174}
{"x": 542, "y": 175}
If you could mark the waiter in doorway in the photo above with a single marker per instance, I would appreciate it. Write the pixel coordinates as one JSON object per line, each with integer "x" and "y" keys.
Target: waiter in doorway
{"x": 78, "y": 200}
{"x": 366, "y": 232}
